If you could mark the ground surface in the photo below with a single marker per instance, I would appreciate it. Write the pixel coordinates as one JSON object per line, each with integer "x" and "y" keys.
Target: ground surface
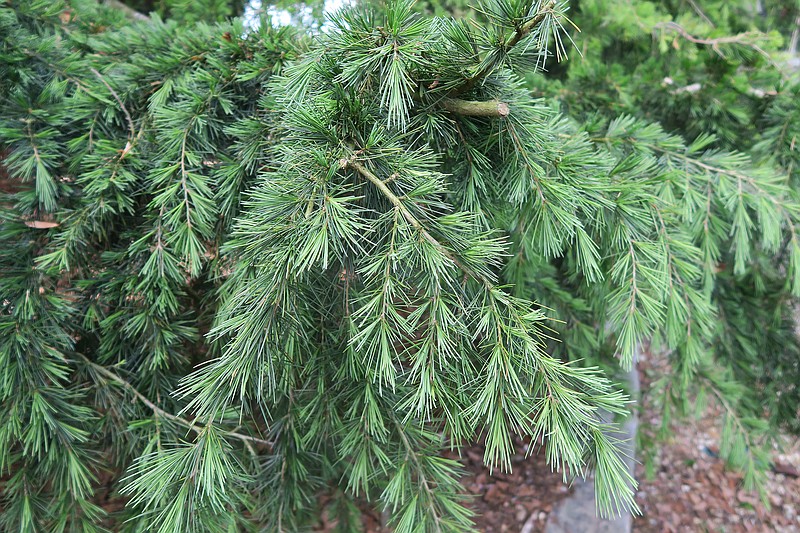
{"x": 690, "y": 491}
{"x": 515, "y": 501}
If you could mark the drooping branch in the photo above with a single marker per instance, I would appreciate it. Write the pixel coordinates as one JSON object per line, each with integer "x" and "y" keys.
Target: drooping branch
{"x": 411, "y": 219}
{"x": 412, "y": 454}
{"x": 747, "y": 39}
{"x": 128, "y": 118}
{"x": 100, "y": 369}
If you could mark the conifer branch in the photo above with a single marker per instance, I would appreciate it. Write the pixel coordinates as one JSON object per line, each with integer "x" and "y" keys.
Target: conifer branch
{"x": 470, "y": 108}
{"x": 701, "y": 13}
{"x": 750, "y": 446}
{"x": 412, "y": 454}
{"x": 519, "y": 34}
{"x": 731, "y": 412}
{"x": 747, "y": 39}
{"x": 184, "y": 185}
{"x": 740, "y": 177}
{"x": 246, "y": 439}
{"x": 58, "y": 70}
{"x": 411, "y": 219}
{"x": 634, "y": 286}
{"x": 674, "y": 272}
{"x": 526, "y": 29}
{"x": 742, "y": 38}
{"x": 128, "y": 118}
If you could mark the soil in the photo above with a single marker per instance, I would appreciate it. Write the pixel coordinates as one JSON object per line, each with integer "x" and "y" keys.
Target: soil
{"x": 511, "y": 502}
{"x": 692, "y": 490}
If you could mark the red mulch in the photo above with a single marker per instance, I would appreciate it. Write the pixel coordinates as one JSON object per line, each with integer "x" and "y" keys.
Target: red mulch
{"x": 693, "y": 491}
{"x": 509, "y": 502}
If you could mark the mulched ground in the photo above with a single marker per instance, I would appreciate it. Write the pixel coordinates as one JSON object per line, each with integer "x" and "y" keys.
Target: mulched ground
{"x": 693, "y": 491}
{"x": 515, "y": 501}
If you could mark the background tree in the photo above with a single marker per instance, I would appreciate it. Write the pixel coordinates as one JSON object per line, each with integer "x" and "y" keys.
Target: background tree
{"x": 721, "y": 73}
{"x": 250, "y": 268}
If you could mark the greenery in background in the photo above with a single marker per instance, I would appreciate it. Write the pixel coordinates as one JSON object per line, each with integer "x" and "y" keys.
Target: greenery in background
{"x": 253, "y": 272}
{"x": 186, "y": 11}
{"x": 725, "y": 74}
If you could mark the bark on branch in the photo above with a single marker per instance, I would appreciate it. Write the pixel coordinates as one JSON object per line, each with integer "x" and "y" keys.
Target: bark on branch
{"x": 525, "y": 30}
{"x": 520, "y": 33}
{"x": 411, "y": 219}
{"x": 108, "y": 374}
{"x": 471, "y": 108}
{"x": 747, "y": 39}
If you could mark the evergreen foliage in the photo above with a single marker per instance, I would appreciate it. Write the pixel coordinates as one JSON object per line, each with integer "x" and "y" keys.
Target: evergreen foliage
{"x": 244, "y": 269}
{"x": 719, "y": 73}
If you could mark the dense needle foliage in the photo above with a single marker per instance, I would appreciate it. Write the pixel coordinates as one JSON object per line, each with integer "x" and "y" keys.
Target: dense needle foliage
{"x": 725, "y": 72}
{"x": 245, "y": 272}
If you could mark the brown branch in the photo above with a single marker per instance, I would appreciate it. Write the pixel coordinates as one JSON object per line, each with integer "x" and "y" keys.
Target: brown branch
{"x": 701, "y": 13}
{"x": 411, "y": 219}
{"x": 520, "y": 33}
{"x": 184, "y": 184}
{"x": 132, "y": 138}
{"x": 246, "y": 439}
{"x": 744, "y": 39}
{"x": 471, "y": 108}
{"x": 525, "y": 30}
